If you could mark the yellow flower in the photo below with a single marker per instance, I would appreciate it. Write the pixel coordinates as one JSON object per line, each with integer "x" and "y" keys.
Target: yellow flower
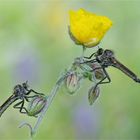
{"x": 86, "y": 28}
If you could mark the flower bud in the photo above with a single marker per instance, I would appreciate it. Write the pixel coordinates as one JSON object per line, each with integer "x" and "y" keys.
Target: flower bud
{"x": 97, "y": 71}
{"x": 36, "y": 105}
{"x": 99, "y": 74}
{"x": 93, "y": 94}
{"x": 72, "y": 82}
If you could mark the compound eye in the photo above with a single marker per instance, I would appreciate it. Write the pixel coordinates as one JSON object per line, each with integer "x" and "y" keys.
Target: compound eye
{"x": 17, "y": 89}
{"x": 109, "y": 53}
{"x": 100, "y": 51}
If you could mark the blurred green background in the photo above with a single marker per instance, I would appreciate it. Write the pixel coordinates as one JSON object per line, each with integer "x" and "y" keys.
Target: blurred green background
{"x": 35, "y": 46}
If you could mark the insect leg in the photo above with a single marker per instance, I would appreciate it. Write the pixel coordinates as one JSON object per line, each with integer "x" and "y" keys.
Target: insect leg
{"x": 36, "y": 92}
{"x": 102, "y": 80}
{"x": 31, "y": 90}
{"x": 106, "y": 77}
{"x": 17, "y": 105}
{"x": 97, "y": 68}
{"x": 90, "y": 61}
{"x": 89, "y": 57}
{"x": 27, "y": 97}
{"x": 20, "y": 107}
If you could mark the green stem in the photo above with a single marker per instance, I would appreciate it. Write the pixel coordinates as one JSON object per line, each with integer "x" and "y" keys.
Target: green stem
{"x": 84, "y": 48}
{"x": 50, "y": 99}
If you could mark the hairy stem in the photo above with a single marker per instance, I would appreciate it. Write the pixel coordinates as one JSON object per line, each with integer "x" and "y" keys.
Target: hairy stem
{"x": 50, "y": 99}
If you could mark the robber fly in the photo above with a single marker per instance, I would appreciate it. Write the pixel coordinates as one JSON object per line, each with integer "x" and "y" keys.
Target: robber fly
{"x": 106, "y": 58}
{"x": 94, "y": 68}
{"x": 102, "y": 59}
{"x": 21, "y": 93}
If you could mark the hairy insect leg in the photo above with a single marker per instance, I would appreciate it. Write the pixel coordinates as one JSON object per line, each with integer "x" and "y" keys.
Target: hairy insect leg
{"x": 36, "y": 92}
{"x": 27, "y": 97}
{"x": 105, "y": 77}
{"x": 31, "y": 96}
{"x": 21, "y": 107}
{"x": 97, "y": 68}
{"x": 89, "y": 57}
{"x": 31, "y": 90}
{"x": 90, "y": 61}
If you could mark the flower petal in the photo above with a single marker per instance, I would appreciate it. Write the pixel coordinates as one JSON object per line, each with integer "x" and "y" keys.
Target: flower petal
{"x": 88, "y": 28}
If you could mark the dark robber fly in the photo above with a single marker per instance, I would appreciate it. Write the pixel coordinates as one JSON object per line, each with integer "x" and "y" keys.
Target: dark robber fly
{"x": 21, "y": 93}
{"x": 104, "y": 59}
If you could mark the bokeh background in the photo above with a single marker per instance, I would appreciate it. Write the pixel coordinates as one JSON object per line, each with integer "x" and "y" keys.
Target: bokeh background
{"x": 35, "y": 46}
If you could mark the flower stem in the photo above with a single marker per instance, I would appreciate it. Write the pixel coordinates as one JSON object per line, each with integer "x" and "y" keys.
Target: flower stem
{"x": 84, "y": 48}
{"x": 50, "y": 99}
